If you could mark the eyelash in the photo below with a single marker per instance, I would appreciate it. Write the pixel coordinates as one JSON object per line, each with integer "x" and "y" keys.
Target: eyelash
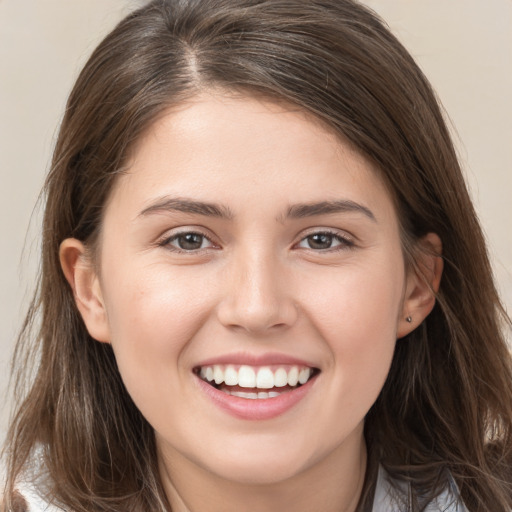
{"x": 167, "y": 242}
{"x": 344, "y": 241}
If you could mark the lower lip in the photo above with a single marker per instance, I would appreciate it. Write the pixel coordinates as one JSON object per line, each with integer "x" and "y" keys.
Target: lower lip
{"x": 257, "y": 408}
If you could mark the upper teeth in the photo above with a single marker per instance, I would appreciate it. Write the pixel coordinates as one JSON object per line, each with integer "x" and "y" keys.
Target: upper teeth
{"x": 263, "y": 377}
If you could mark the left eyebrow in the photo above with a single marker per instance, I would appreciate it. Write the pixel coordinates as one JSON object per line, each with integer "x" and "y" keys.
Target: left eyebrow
{"x": 302, "y": 210}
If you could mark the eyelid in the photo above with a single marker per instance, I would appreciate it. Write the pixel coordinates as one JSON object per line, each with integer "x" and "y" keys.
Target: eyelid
{"x": 164, "y": 240}
{"x": 348, "y": 240}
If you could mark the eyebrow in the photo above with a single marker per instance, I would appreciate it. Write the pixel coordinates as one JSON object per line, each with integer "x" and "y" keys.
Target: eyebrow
{"x": 179, "y": 204}
{"x": 299, "y": 211}
{"x": 296, "y": 211}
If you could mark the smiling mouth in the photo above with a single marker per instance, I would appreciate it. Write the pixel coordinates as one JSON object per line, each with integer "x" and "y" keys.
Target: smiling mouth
{"x": 255, "y": 382}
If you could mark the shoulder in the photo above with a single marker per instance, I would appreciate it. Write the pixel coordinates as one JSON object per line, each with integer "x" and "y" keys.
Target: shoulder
{"x": 31, "y": 501}
{"x": 390, "y": 493}
{"x": 29, "y": 494}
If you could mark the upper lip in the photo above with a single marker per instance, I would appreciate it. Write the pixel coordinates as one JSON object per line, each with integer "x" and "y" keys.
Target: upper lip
{"x": 267, "y": 359}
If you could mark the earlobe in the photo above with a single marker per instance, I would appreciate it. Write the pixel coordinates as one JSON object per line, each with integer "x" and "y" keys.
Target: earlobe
{"x": 85, "y": 284}
{"x": 423, "y": 281}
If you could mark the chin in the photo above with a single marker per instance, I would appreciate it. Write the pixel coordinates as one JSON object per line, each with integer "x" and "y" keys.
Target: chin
{"x": 247, "y": 472}
{"x": 258, "y": 466}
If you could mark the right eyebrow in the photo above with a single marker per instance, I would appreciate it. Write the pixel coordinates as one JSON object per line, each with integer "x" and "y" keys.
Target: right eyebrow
{"x": 185, "y": 205}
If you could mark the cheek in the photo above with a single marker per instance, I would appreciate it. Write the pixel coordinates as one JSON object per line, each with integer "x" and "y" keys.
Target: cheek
{"x": 357, "y": 298}
{"x": 146, "y": 293}
{"x": 152, "y": 317}
{"x": 356, "y": 315}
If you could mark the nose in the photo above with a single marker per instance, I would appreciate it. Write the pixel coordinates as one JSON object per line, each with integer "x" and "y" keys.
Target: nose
{"x": 256, "y": 296}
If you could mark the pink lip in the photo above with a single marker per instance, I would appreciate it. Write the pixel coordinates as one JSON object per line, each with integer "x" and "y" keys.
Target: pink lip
{"x": 256, "y": 360}
{"x": 256, "y": 409}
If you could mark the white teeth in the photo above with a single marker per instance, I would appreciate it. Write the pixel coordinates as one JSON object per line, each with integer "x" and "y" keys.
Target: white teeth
{"x": 304, "y": 375}
{"x": 243, "y": 394}
{"x": 280, "y": 378}
{"x": 246, "y": 377}
{"x": 230, "y": 376}
{"x": 265, "y": 378}
{"x": 261, "y": 395}
{"x": 293, "y": 376}
{"x": 249, "y": 377}
{"x": 240, "y": 394}
{"x": 218, "y": 374}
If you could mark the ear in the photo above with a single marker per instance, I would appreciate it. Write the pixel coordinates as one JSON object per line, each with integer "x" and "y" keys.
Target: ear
{"x": 83, "y": 279}
{"x": 422, "y": 283}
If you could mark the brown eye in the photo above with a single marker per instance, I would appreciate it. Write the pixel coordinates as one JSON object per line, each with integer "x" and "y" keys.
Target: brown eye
{"x": 189, "y": 241}
{"x": 320, "y": 241}
{"x": 323, "y": 241}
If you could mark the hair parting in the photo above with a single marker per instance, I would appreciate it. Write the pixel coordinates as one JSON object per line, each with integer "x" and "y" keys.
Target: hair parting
{"x": 446, "y": 407}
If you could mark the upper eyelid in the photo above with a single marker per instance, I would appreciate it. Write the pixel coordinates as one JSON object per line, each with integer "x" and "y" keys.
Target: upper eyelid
{"x": 340, "y": 233}
{"x": 183, "y": 230}
{"x": 346, "y": 241}
{"x": 167, "y": 237}
{"x": 175, "y": 232}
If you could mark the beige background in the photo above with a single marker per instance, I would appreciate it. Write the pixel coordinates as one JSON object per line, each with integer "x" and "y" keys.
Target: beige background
{"x": 464, "y": 47}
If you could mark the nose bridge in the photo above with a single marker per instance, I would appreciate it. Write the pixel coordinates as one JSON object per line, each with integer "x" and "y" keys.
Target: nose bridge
{"x": 255, "y": 297}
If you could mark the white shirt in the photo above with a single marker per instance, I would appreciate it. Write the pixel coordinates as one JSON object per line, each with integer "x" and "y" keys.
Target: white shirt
{"x": 387, "y": 497}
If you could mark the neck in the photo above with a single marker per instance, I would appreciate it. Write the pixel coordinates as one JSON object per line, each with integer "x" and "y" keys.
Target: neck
{"x": 333, "y": 484}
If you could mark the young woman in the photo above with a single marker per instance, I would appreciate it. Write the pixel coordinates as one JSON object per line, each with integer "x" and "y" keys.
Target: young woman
{"x": 264, "y": 286}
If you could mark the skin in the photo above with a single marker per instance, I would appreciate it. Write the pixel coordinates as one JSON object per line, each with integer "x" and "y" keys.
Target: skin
{"x": 254, "y": 286}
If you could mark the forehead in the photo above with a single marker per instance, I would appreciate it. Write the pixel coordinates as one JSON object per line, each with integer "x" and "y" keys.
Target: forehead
{"x": 231, "y": 149}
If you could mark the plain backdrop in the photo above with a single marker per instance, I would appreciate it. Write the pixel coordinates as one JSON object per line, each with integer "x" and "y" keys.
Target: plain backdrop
{"x": 464, "y": 47}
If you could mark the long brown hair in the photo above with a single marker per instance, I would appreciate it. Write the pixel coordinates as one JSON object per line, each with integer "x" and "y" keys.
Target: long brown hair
{"x": 446, "y": 407}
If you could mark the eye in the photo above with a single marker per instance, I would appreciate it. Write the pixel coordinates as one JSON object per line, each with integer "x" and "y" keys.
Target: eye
{"x": 325, "y": 240}
{"x": 187, "y": 242}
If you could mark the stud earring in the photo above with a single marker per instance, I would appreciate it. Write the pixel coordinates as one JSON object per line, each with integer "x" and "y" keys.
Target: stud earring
{"x": 409, "y": 319}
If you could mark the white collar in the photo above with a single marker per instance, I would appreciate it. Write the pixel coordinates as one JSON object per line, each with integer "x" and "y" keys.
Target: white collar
{"x": 390, "y": 494}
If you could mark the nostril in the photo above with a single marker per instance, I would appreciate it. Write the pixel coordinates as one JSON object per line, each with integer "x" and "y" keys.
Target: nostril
{"x": 258, "y": 315}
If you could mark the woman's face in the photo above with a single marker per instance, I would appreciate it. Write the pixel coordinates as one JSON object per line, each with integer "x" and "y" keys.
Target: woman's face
{"x": 248, "y": 245}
